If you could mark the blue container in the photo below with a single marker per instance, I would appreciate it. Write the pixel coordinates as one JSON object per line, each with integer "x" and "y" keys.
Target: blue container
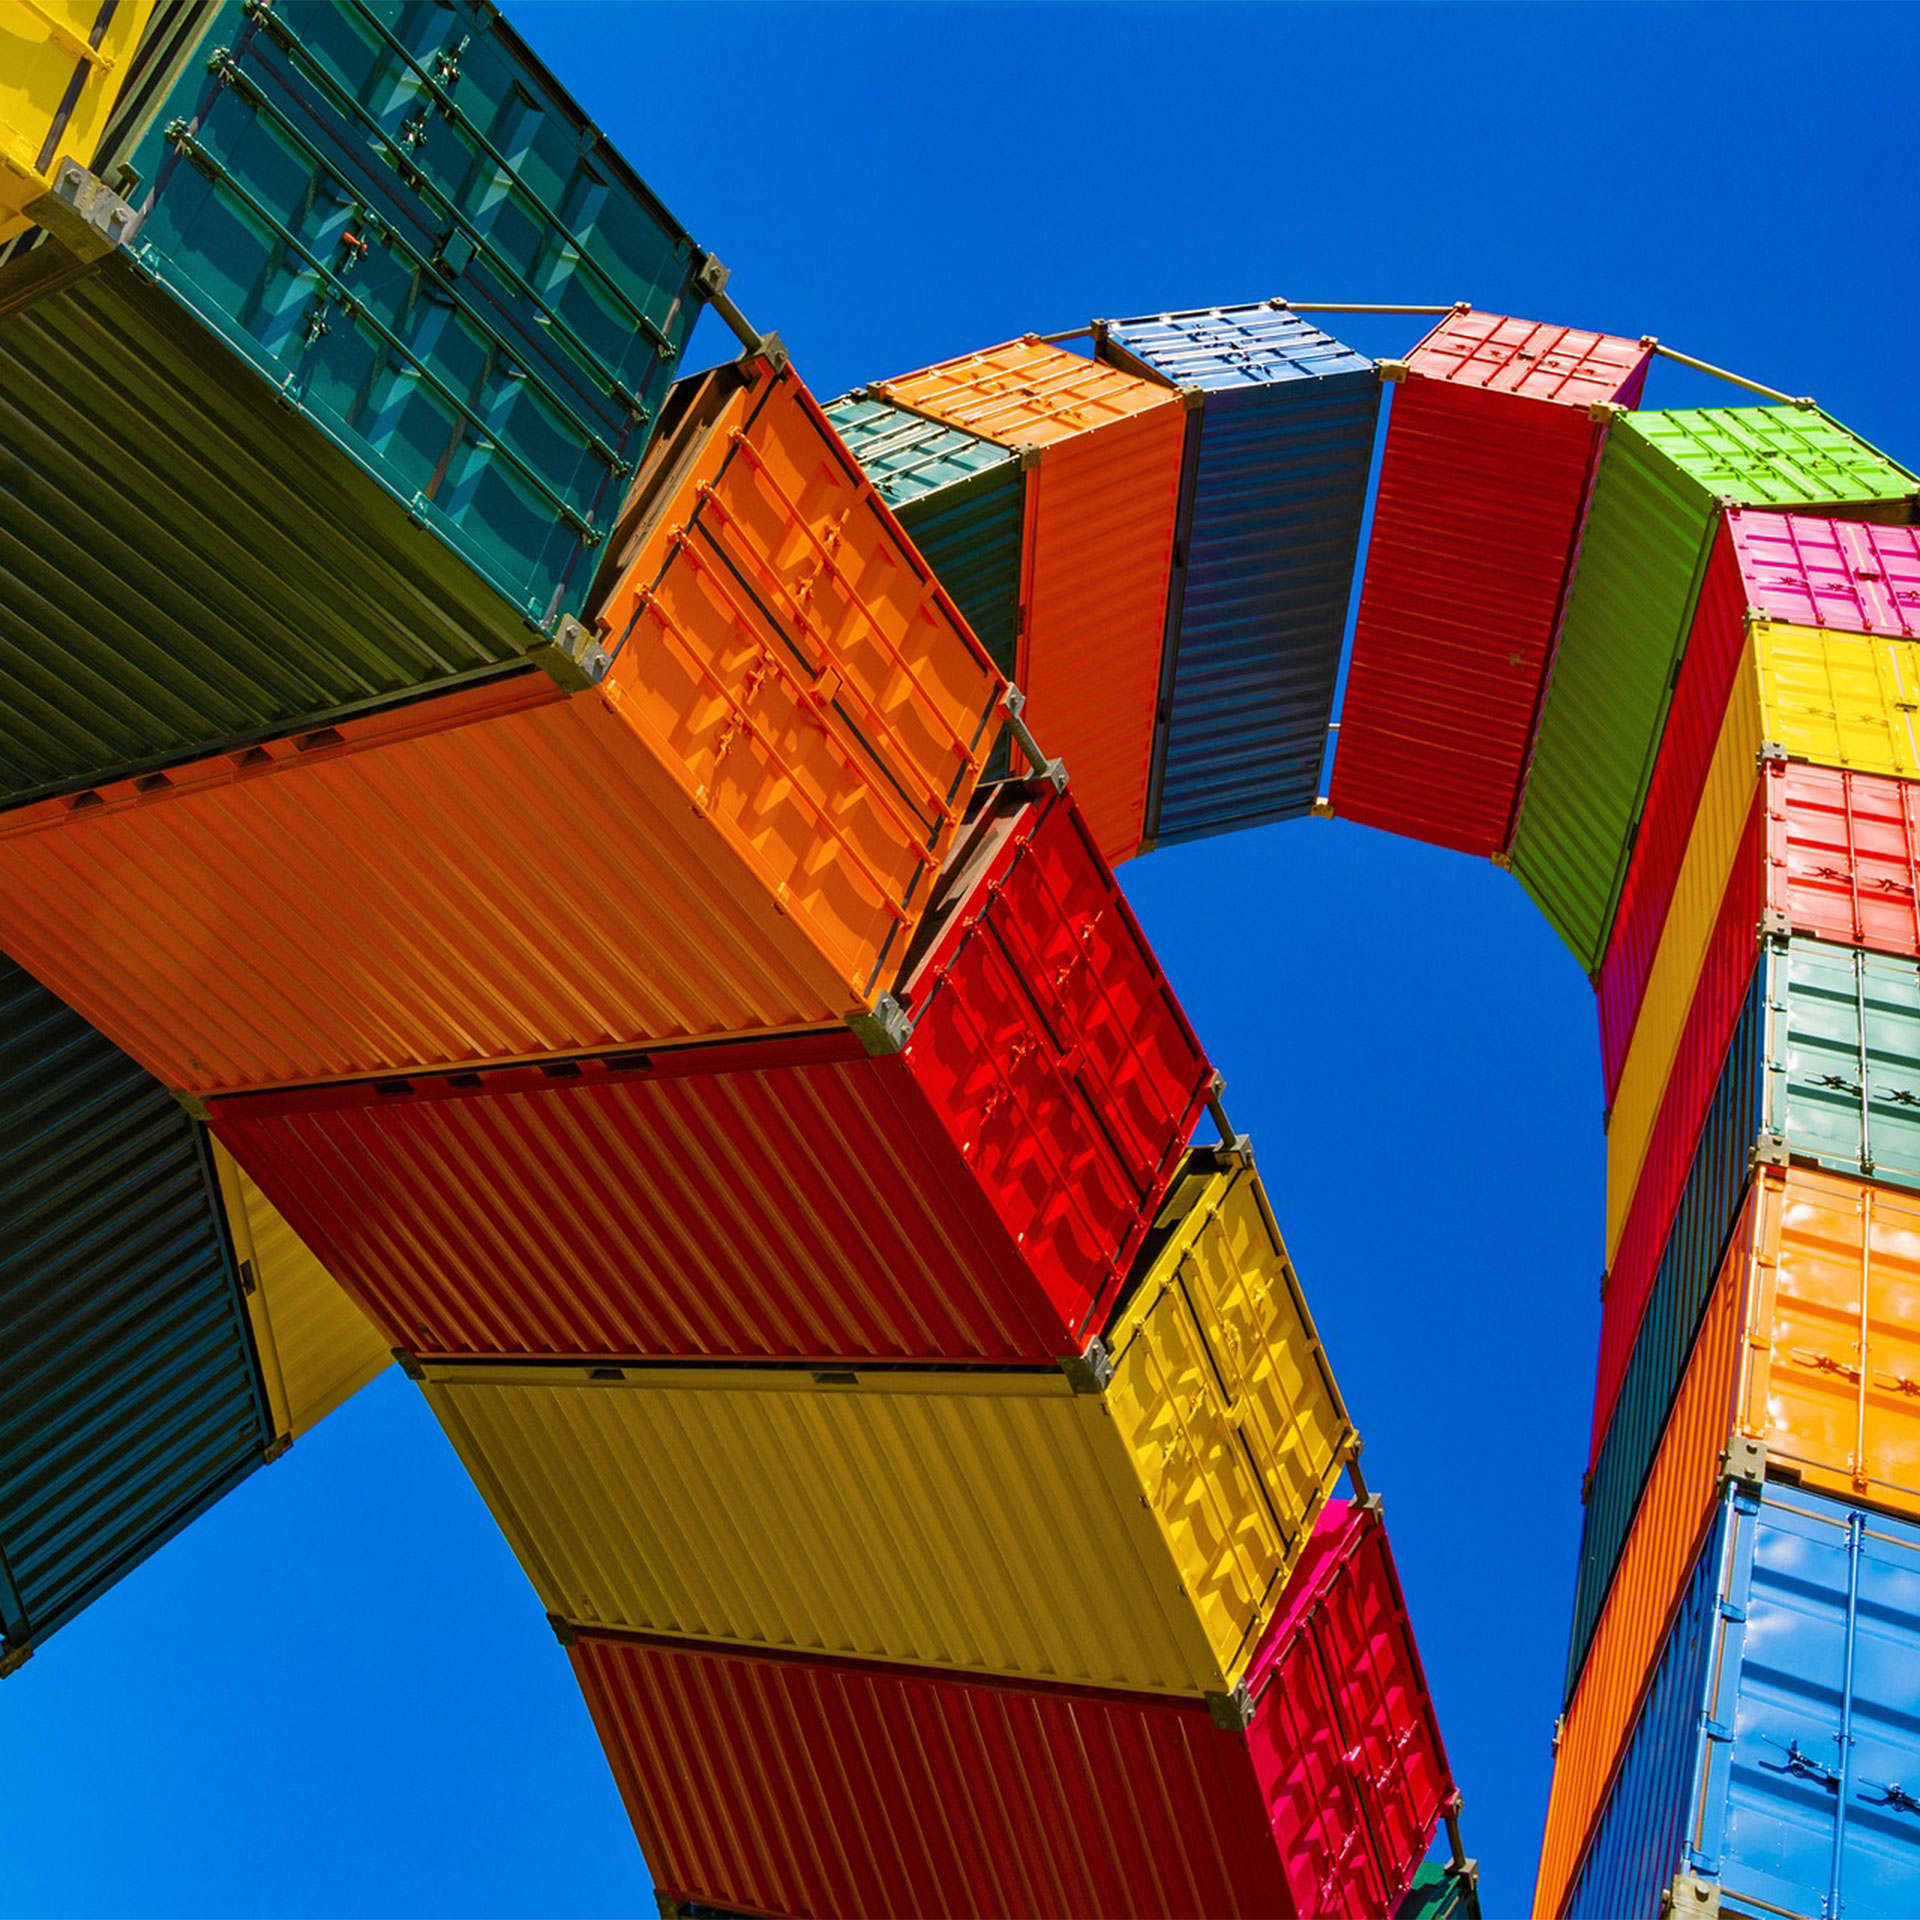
{"x": 1823, "y": 1070}
{"x": 1271, "y": 504}
{"x": 1774, "y": 1762}
{"x": 130, "y": 1398}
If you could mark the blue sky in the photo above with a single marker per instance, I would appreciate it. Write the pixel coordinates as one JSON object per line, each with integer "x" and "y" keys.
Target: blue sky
{"x": 337, "y": 1695}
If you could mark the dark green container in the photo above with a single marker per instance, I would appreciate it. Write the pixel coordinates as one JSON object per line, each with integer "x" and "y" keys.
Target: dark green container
{"x": 349, "y": 410}
{"x": 1662, "y": 480}
{"x": 130, "y": 1398}
{"x": 1441, "y": 1892}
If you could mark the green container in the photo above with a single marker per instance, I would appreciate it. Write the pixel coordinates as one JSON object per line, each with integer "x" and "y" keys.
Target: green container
{"x": 369, "y": 373}
{"x": 959, "y": 498}
{"x": 1441, "y": 1892}
{"x": 1662, "y": 480}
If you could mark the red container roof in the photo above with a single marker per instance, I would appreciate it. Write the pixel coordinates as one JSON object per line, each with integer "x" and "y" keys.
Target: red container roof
{"x": 1565, "y": 365}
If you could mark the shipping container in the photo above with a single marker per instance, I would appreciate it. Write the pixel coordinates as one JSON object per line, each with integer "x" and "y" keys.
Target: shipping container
{"x": 1824, "y": 1070}
{"x": 1843, "y": 855}
{"x": 1490, "y": 444}
{"x": 1442, "y": 1891}
{"x": 976, "y": 1195}
{"x": 1658, "y": 496}
{"x": 962, "y": 500}
{"x": 1764, "y": 1773}
{"x": 1844, "y": 701}
{"x": 846, "y": 1791}
{"x": 1129, "y": 1520}
{"x": 316, "y": 1349}
{"x": 129, "y": 1400}
{"x": 63, "y": 64}
{"x": 734, "y": 832}
{"x": 347, "y": 417}
{"x": 1103, "y": 450}
{"x": 1854, "y": 577}
{"x": 1675, "y": 1510}
{"x": 1272, "y": 497}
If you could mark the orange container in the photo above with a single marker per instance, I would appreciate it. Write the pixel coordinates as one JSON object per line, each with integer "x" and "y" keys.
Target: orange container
{"x": 734, "y": 831}
{"x": 1806, "y": 1367}
{"x": 1103, "y": 451}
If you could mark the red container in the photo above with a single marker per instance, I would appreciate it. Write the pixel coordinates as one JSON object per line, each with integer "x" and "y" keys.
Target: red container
{"x": 1725, "y": 973}
{"x": 1793, "y": 568}
{"x": 977, "y": 1195}
{"x": 817, "y": 1788}
{"x": 1491, "y": 441}
{"x": 1843, "y": 855}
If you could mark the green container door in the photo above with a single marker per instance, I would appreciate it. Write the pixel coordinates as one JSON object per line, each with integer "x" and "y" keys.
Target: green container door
{"x": 1843, "y": 1060}
{"x": 1662, "y": 478}
{"x": 960, "y": 499}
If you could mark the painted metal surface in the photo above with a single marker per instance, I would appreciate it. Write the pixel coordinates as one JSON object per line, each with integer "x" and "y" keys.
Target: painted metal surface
{"x": 1675, "y": 1512}
{"x": 1440, "y": 1893}
{"x": 62, "y": 65}
{"x": 1767, "y": 1766}
{"x": 1854, "y": 575}
{"x": 1101, "y": 503}
{"x": 1843, "y": 855}
{"x": 1730, "y": 819}
{"x": 1489, "y": 449}
{"x": 838, "y": 1788}
{"x": 1649, "y": 530}
{"x": 1841, "y": 700}
{"x": 961, "y": 499}
{"x": 1275, "y": 488}
{"x": 129, "y": 1400}
{"x": 1135, "y": 1530}
{"x": 977, "y": 1195}
{"x": 395, "y": 215}
{"x": 1725, "y": 979}
{"x": 314, "y": 1347}
{"x": 736, "y": 831}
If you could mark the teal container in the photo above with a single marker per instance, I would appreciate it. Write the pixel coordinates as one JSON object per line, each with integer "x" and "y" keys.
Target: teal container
{"x": 1441, "y": 1892}
{"x": 130, "y": 1396}
{"x": 365, "y": 381}
{"x": 1661, "y": 482}
{"x": 961, "y": 501}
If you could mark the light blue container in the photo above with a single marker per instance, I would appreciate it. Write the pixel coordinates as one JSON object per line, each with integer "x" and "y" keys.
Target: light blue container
{"x": 1774, "y": 1766}
{"x": 130, "y": 1398}
{"x": 1271, "y": 503}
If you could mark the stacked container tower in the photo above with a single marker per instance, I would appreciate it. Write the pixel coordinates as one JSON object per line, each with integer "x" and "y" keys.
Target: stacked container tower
{"x": 598, "y": 882}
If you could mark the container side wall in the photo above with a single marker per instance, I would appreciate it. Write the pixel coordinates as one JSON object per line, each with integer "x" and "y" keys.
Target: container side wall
{"x": 1474, "y": 520}
{"x": 129, "y": 1400}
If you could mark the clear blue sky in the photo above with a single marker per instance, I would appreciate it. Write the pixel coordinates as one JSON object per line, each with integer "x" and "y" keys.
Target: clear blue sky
{"x": 336, "y": 1695}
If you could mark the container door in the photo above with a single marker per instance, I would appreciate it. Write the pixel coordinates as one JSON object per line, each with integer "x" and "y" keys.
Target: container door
{"x": 1880, "y": 1816}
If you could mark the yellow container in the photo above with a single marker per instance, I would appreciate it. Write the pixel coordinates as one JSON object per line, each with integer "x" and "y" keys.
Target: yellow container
{"x": 316, "y": 1348}
{"x": 62, "y": 65}
{"x": 1835, "y": 699}
{"x": 1133, "y": 1525}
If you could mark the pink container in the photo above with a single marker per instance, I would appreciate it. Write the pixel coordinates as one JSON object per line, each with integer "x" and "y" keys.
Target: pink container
{"x": 838, "y": 1788}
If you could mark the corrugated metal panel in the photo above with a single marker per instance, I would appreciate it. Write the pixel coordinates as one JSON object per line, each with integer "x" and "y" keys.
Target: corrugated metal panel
{"x": 1843, "y": 855}
{"x": 961, "y": 499}
{"x": 1725, "y": 975}
{"x": 1674, "y": 1512}
{"x": 1813, "y": 1655}
{"x": 316, "y": 1349}
{"x": 129, "y": 1401}
{"x": 1254, "y": 630}
{"x": 397, "y": 217}
{"x": 1474, "y": 519}
{"x": 1533, "y": 359}
{"x": 1640, "y": 1836}
{"x": 64, "y": 64}
{"x": 192, "y": 565}
{"x": 1707, "y": 1214}
{"x": 1856, "y": 576}
{"x": 735, "y": 832}
{"x": 1715, "y": 652}
{"x": 1439, "y": 1893}
{"x": 988, "y": 1184}
{"x": 1345, "y": 1634}
{"x": 993, "y": 1522}
{"x": 1101, "y": 503}
{"x": 836, "y": 1788}
{"x": 1730, "y": 815}
{"x": 1646, "y": 538}
{"x": 1631, "y": 599}
{"x": 1841, "y": 700}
